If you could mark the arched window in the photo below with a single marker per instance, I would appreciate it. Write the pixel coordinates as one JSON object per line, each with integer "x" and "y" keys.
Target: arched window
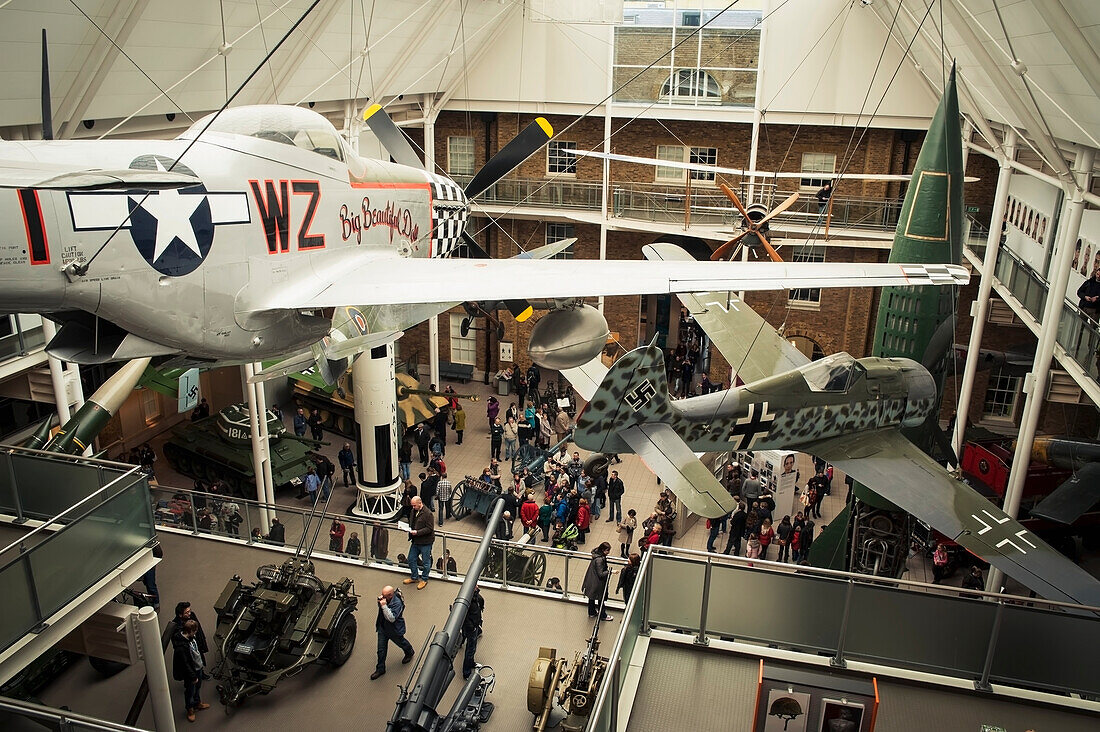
{"x": 693, "y": 85}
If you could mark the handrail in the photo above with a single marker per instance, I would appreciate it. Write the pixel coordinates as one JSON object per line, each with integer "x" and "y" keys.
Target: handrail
{"x": 46, "y": 524}
{"x": 616, "y": 650}
{"x": 767, "y": 565}
{"x": 63, "y": 717}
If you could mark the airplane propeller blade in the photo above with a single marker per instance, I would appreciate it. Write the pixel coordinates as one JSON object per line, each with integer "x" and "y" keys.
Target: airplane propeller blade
{"x": 47, "y": 103}
{"x": 779, "y": 209}
{"x": 736, "y": 201}
{"x": 520, "y": 309}
{"x": 392, "y": 138}
{"x": 768, "y": 247}
{"x": 522, "y": 146}
{"x": 721, "y": 252}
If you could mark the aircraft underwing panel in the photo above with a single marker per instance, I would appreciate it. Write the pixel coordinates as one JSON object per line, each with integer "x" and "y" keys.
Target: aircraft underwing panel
{"x": 903, "y": 474}
{"x": 666, "y": 454}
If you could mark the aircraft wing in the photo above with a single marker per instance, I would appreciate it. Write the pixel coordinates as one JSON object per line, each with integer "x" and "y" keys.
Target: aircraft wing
{"x": 897, "y": 470}
{"x": 375, "y": 280}
{"x": 18, "y": 174}
{"x": 586, "y": 378}
{"x": 667, "y": 455}
{"x": 752, "y": 346}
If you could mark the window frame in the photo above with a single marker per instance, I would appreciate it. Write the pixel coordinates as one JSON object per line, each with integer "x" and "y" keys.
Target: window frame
{"x": 459, "y": 352}
{"x": 451, "y": 152}
{"x": 569, "y": 230}
{"x": 556, "y": 158}
{"x": 806, "y": 298}
{"x": 990, "y": 400}
{"x": 810, "y": 182}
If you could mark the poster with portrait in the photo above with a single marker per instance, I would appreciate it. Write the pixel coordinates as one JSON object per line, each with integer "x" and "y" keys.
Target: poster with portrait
{"x": 841, "y": 715}
{"x": 787, "y": 711}
{"x": 1086, "y": 254}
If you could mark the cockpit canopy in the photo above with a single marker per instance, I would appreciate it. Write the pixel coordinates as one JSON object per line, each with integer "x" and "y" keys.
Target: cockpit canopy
{"x": 836, "y": 373}
{"x": 302, "y": 128}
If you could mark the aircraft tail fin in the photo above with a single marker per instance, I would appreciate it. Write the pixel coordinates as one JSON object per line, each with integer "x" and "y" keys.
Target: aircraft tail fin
{"x": 635, "y": 391}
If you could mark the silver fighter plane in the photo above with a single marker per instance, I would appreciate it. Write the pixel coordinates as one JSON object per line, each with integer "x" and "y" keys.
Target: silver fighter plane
{"x": 260, "y": 233}
{"x": 841, "y": 409}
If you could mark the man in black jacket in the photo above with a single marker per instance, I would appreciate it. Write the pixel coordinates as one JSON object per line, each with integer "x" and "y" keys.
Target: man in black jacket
{"x": 471, "y": 631}
{"x": 188, "y": 661}
{"x": 615, "y": 490}
{"x": 737, "y": 529}
{"x": 1089, "y": 292}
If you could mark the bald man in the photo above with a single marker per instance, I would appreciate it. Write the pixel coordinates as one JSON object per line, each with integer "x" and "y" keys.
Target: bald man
{"x": 390, "y": 625}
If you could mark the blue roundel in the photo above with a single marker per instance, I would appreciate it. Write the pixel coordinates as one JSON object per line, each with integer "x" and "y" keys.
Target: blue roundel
{"x": 172, "y": 229}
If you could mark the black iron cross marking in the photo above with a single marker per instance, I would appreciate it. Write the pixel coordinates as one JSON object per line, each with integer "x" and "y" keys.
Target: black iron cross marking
{"x": 640, "y": 395}
{"x": 752, "y": 427}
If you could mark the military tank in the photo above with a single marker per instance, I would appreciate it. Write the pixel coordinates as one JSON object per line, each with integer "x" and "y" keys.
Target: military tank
{"x": 286, "y": 620}
{"x": 336, "y": 404}
{"x": 219, "y": 447}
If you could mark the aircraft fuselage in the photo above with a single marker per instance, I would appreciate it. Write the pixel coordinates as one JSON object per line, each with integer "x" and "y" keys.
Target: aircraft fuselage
{"x": 194, "y": 270}
{"x": 836, "y": 396}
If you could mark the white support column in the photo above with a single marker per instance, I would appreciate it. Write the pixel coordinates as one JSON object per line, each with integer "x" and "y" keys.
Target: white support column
{"x": 980, "y": 307}
{"x": 606, "y": 181}
{"x": 249, "y": 370}
{"x": 156, "y": 672}
{"x": 431, "y": 112}
{"x": 57, "y": 378}
{"x": 1035, "y": 383}
{"x": 757, "y": 114}
{"x": 265, "y": 447}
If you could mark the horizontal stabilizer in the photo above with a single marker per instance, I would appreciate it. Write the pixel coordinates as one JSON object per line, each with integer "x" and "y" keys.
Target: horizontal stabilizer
{"x": 1073, "y": 498}
{"x": 322, "y": 354}
{"x": 17, "y": 174}
{"x": 668, "y": 456}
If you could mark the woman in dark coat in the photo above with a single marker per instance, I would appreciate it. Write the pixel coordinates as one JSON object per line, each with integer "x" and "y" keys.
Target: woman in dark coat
{"x": 628, "y": 576}
{"x": 595, "y": 581}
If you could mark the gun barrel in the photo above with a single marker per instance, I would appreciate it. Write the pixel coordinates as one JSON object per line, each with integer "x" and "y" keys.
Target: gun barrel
{"x": 416, "y": 712}
{"x": 537, "y": 463}
{"x": 1063, "y": 453}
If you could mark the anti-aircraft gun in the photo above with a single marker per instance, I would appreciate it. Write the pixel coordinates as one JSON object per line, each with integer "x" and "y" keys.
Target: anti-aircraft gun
{"x": 286, "y": 620}
{"x": 417, "y": 703}
{"x": 560, "y": 692}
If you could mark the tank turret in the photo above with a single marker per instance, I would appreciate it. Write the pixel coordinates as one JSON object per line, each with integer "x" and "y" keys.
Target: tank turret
{"x": 219, "y": 447}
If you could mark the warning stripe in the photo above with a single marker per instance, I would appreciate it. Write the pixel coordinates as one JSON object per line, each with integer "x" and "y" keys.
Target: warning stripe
{"x": 36, "y": 229}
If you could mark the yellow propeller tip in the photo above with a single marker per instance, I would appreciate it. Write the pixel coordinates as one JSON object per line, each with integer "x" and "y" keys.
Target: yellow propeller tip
{"x": 525, "y": 314}
{"x": 545, "y": 126}
{"x": 369, "y": 111}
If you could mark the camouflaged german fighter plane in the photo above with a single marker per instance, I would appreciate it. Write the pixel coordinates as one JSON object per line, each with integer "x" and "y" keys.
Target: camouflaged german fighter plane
{"x": 844, "y": 410}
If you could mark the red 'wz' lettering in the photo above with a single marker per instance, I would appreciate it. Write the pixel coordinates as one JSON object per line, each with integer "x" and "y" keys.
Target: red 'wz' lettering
{"x": 273, "y": 204}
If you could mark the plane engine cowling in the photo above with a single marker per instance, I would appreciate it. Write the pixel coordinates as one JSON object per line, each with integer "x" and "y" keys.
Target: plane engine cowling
{"x": 921, "y": 398}
{"x": 568, "y": 337}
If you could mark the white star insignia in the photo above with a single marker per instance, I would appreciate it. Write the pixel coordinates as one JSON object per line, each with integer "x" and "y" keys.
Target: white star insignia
{"x": 173, "y": 214}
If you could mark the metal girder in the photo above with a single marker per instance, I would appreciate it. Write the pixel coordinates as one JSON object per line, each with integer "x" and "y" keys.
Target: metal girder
{"x": 1066, "y": 30}
{"x": 1038, "y": 134}
{"x": 290, "y": 56}
{"x": 411, "y": 50}
{"x": 473, "y": 59}
{"x": 124, "y": 16}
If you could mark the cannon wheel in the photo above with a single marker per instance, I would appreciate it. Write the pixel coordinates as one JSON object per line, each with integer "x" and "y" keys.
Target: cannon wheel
{"x": 535, "y": 570}
{"x": 340, "y": 645}
{"x": 459, "y": 511}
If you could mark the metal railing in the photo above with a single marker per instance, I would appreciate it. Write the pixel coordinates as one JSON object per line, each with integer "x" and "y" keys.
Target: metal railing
{"x": 61, "y": 719}
{"x": 892, "y": 624}
{"x": 1078, "y": 334}
{"x": 671, "y": 203}
{"x": 95, "y": 516}
{"x": 21, "y": 340}
{"x": 512, "y": 565}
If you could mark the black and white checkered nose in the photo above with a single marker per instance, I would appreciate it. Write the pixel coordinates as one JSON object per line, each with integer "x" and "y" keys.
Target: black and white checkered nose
{"x": 449, "y": 211}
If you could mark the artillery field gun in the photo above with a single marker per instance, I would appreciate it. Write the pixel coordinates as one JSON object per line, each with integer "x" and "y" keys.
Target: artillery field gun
{"x": 562, "y": 693}
{"x": 285, "y": 621}
{"x": 418, "y": 701}
{"x": 219, "y": 447}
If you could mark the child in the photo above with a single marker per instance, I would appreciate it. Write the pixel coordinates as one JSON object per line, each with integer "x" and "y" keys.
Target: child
{"x": 753, "y": 549}
{"x": 767, "y": 533}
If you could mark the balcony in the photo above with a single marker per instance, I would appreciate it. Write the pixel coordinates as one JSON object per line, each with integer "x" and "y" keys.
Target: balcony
{"x": 92, "y": 519}
{"x": 702, "y": 205}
